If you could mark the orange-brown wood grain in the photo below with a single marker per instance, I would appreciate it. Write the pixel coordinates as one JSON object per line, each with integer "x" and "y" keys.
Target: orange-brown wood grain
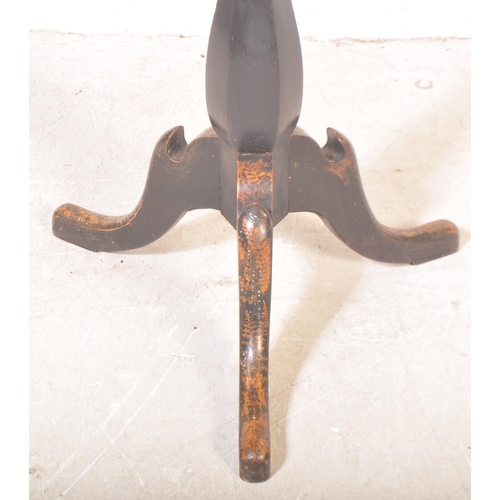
{"x": 254, "y": 261}
{"x": 255, "y": 166}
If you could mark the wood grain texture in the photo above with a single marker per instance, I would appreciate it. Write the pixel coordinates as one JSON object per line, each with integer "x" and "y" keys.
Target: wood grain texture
{"x": 254, "y": 261}
{"x": 255, "y": 229}
{"x": 326, "y": 181}
{"x": 181, "y": 177}
{"x": 253, "y": 169}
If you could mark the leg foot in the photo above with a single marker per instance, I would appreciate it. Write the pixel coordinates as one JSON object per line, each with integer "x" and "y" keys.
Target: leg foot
{"x": 326, "y": 181}
{"x": 181, "y": 177}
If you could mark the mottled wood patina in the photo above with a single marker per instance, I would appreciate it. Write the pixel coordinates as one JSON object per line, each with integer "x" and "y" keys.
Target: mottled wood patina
{"x": 255, "y": 166}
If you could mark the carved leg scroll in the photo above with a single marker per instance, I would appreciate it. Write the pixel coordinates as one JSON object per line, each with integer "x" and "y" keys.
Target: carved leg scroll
{"x": 181, "y": 177}
{"x": 326, "y": 181}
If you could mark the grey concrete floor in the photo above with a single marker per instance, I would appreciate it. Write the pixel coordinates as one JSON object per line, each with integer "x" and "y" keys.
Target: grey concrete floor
{"x": 134, "y": 356}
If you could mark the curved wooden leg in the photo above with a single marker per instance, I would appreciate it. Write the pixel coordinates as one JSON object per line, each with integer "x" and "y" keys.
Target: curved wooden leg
{"x": 254, "y": 259}
{"x": 326, "y": 181}
{"x": 181, "y": 177}
{"x": 255, "y": 232}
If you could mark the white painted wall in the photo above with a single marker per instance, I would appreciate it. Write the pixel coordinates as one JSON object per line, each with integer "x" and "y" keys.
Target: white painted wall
{"x": 320, "y": 19}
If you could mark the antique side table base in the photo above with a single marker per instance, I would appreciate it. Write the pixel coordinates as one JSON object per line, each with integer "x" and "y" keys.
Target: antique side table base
{"x": 255, "y": 166}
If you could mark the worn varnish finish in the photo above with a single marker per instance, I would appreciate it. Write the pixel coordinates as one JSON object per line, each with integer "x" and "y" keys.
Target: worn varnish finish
{"x": 255, "y": 231}
{"x": 255, "y": 166}
{"x": 180, "y": 178}
{"x": 326, "y": 181}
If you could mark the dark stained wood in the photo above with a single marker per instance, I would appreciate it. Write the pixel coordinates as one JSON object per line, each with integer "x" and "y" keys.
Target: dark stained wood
{"x": 254, "y": 169}
{"x": 254, "y": 73}
{"x": 254, "y": 90}
{"x": 326, "y": 181}
{"x": 181, "y": 177}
